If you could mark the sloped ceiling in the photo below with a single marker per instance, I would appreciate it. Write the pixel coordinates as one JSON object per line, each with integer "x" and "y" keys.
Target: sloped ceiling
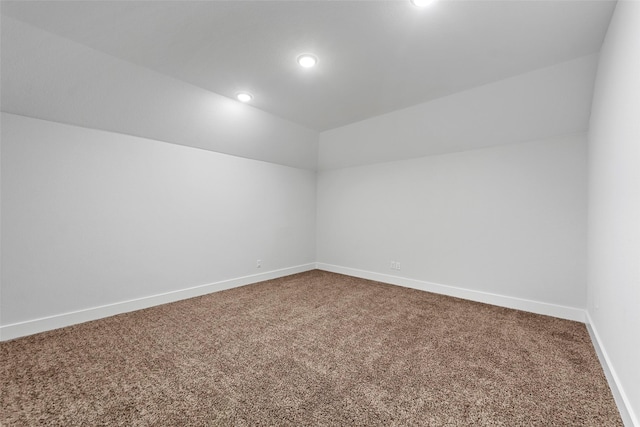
{"x": 375, "y": 56}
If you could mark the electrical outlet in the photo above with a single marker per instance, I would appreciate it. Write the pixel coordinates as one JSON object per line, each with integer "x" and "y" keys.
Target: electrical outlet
{"x": 259, "y": 263}
{"x": 398, "y": 265}
{"x": 395, "y": 265}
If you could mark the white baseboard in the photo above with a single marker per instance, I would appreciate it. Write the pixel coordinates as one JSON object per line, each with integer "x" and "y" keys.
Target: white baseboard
{"x": 624, "y": 405}
{"x": 29, "y": 327}
{"x": 563, "y": 312}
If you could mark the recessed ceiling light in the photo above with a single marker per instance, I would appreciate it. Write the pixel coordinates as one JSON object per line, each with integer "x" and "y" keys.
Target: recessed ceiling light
{"x": 244, "y": 96}
{"x": 422, "y": 3}
{"x": 307, "y": 60}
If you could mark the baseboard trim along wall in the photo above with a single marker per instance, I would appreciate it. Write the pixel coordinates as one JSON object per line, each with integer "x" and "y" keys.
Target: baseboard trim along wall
{"x": 624, "y": 405}
{"x": 563, "y": 312}
{"x": 34, "y": 326}
{"x": 29, "y": 327}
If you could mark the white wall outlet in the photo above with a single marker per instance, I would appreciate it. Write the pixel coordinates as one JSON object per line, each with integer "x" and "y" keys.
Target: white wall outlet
{"x": 395, "y": 265}
{"x": 398, "y": 265}
{"x": 259, "y": 263}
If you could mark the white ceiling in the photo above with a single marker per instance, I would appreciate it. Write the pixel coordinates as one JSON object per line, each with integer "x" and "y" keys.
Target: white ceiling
{"x": 375, "y": 56}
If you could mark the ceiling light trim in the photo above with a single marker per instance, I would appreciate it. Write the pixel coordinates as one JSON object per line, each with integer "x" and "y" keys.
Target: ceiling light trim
{"x": 422, "y": 3}
{"x": 307, "y": 60}
{"x": 244, "y": 97}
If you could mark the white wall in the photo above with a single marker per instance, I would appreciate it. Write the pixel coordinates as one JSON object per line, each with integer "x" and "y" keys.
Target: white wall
{"x": 507, "y": 220}
{"x": 91, "y": 218}
{"x": 614, "y": 204}
{"x": 101, "y": 210}
{"x": 502, "y": 219}
{"x": 48, "y": 77}
{"x": 540, "y": 104}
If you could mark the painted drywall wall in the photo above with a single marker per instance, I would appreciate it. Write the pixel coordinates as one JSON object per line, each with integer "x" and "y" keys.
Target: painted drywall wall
{"x": 91, "y": 217}
{"x": 46, "y": 76}
{"x": 507, "y": 220}
{"x": 614, "y": 203}
{"x": 540, "y": 104}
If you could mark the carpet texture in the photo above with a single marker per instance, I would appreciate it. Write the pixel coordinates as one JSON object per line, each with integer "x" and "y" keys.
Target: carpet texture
{"x": 314, "y": 348}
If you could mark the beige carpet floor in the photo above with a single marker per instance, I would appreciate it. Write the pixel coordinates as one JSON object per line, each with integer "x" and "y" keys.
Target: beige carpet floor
{"x": 310, "y": 349}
